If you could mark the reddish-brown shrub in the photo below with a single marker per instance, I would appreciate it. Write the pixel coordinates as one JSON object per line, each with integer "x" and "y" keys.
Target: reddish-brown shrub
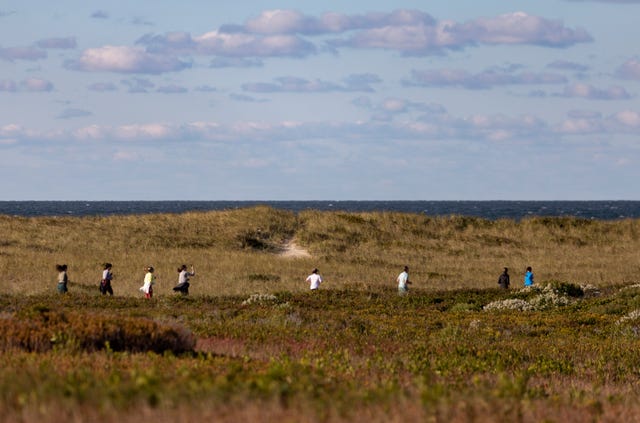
{"x": 45, "y": 330}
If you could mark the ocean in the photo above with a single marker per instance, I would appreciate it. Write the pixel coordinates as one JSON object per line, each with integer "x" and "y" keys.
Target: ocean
{"x": 603, "y": 210}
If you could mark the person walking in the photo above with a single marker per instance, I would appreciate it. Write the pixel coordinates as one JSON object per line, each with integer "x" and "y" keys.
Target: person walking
{"x": 528, "y": 277}
{"x": 105, "y": 283}
{"x": 503, "y": 280}
{"x": 403, "y": 281}
{"x": 63, "y": 278}
{"x": 183, "y": 279}
{"x": 314, "y": 280}
{"x": 149, "y": 281}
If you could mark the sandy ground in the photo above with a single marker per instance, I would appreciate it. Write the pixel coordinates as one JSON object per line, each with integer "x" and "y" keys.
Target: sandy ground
{"x": 293, "y": 250}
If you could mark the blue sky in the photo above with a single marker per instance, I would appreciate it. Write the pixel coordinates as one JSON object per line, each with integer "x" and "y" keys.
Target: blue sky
{"x": 298, "y": 100}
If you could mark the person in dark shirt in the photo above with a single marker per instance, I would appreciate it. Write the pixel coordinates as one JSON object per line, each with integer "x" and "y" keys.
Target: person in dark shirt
{"x": 503, "y": 280}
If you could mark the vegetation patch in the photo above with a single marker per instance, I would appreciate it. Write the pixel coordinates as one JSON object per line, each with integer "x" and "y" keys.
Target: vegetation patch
{"x": 454, "y": 348}
{"x": 41, "y": 330}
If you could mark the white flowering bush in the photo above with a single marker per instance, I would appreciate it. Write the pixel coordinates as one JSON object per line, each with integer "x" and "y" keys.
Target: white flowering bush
{"x": 475, "y": 324}
{"x": 509, "y": 304}
{"x": 528, "y": 289}
{"x": 634, "y": 286}
{"x": 260, "y": 299}
{"x": 591, "y": 290}
{"x": 632, "y": 316}
{"x": 549, "y": 296}
{"x": 548, "y": 299}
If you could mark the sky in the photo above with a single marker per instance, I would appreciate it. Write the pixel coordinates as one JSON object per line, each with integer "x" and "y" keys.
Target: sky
{"x": 331, "y": 100}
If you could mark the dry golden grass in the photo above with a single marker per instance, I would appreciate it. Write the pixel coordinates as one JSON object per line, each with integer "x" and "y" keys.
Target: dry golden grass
{"x": 237, "y": 251}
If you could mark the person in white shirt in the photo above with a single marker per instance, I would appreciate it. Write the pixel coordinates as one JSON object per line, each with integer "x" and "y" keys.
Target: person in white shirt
{"x": 403, "y": 281}
{"x": 314, "y": 280}
{"x": 105, "y": 283}
{"x": 183, "y": 279}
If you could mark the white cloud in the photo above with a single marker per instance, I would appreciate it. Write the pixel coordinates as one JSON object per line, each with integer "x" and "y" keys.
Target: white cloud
{"x": 92, "y": 132}
{"x": 623, "y": 122}
{"x": 229, "y": 44}
{"x": 630, "y": 70}
{"x": 26, "y": 85}
{"x": 353, "y": 83}
{"x": 483, "y": 80}
{"x": 36, "y": 85}
{"x": 511, "y": 28}
{"x": 394, "y": 105}
{"x": 437, "y": 126}
{"x": 279, "y": 22}
{"x": 580, "y": 126}
{"x": 279, "y": 33}
{"x": 243, "y": 44}
{"x": 125, "y": 59}
{"x": 137, "y": 132}
{"x": 293, "y": 22}
{"x": 522, "y": 28}
{"x": 628, "y": 118}
{"x": 593, "y": 93}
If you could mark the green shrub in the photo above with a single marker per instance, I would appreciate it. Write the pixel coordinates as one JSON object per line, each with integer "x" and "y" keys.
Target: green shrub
{"x": 567, "y": 288}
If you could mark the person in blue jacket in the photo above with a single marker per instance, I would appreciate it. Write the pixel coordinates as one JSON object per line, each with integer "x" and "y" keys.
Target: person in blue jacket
{"x": 528, "y": 277}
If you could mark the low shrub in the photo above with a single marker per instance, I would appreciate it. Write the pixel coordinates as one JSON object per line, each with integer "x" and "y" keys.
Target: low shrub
{"x": 567, "y": 288}
{"x": 44, "y": 330}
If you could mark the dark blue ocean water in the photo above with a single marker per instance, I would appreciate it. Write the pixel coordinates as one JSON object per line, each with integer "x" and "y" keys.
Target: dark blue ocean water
{"x": 604, "y": 210}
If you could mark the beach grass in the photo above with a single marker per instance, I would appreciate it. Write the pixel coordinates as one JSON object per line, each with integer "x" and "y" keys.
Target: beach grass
{"x": 238, "y": 251}
{"x": 251, "y": 343}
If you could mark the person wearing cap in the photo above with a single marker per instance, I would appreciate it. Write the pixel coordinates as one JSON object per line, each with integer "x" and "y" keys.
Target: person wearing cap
{"x": 503, "y": 280}
{"x": 314, "y": 280}
{"x": 403, "y": 281}
{"x": 149, "y": 281}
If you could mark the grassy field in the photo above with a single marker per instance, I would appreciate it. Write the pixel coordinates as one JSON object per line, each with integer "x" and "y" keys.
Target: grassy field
{"x": 253, "y": 344}
{"x": 236, "y": 252}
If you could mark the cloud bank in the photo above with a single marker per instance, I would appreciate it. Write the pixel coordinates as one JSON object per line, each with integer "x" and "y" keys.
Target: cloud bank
{"x": 289, "y": 33}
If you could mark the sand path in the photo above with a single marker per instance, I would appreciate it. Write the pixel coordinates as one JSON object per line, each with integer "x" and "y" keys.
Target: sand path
{"x": 293, "y": 250}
